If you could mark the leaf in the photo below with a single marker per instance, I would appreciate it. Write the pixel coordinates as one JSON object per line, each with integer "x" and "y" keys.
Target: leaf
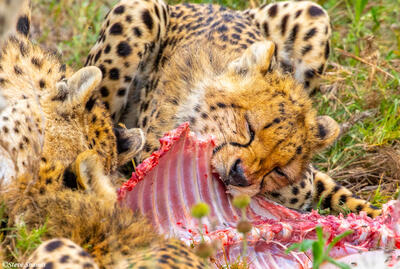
{"x": 320, "y": 235}
{"x": 302, "y": 246}
{"x": 374, "y": 13}
{"x": 337, "y": 239}
{"x": 359, "y": 8}
{"x": 318, "y": 254}
{"x": 306, "y": 245}
{"x": 338, "y": 264}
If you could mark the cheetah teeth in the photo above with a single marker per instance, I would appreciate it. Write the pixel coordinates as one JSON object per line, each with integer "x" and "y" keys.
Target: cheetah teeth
{"x": 178, "y": 175}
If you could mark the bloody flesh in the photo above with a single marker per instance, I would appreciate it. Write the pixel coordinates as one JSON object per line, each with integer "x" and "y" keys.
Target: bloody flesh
{"x": 168, "y": 183}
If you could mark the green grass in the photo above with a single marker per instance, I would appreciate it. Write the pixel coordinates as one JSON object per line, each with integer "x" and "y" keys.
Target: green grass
{"x": 18, "y": 241}
{"x": 365, "y": 30}
{"x": 69, "y": 26}
{"x": 234, "y": 4}
{"x": 25, "y": 240}
{"x": 320, "y": 249}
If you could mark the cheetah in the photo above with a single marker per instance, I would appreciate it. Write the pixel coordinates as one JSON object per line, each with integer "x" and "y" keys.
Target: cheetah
{"x": 9, "y": 11}
{"x": 64, "y": 253}
{"x": 59, "y": 154}
{"x": 243, "y": 77}
{"x": 51, "y": 116}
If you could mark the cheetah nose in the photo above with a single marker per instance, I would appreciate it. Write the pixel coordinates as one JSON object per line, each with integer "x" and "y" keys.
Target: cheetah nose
{"x": 236, "y": 175}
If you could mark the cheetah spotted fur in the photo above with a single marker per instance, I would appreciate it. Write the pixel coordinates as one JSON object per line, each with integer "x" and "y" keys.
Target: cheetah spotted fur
{"x": 59, "y": 154}
{"x": 235, "y": 75}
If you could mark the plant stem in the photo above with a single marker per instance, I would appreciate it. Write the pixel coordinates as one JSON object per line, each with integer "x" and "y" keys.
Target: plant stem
{"x": 244, "y": 250}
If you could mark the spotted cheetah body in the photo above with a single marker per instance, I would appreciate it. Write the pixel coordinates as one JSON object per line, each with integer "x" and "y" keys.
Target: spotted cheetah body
{"x": 164, "y": 65}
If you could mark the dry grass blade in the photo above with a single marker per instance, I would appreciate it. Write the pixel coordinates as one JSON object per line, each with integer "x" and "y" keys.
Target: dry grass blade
{"x": 254, "y": 3}
{"x": 348, "y": 54}
{"x": 344, "y": 127}
{"x": 379, "y": 167}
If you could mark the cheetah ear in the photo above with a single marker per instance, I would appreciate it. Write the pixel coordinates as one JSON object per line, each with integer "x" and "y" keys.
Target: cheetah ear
{"x": 79, "y": 87}
{"x": 129, "y": 143}
{"x": 326, "y": 132}
{"x": 257, "y": 57}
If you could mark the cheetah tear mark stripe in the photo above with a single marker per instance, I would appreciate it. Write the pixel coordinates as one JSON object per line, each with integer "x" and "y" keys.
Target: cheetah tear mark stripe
{"x": 235, "y": 144}
{"x": 172, "y": 179}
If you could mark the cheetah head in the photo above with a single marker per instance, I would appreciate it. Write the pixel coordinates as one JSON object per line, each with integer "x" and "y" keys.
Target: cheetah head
{"x": 77, "y": 121}
{"x": 267, "y": 128}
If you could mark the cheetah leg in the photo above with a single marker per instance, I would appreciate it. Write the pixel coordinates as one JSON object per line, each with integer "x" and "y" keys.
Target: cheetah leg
{"x": 91, "y": 176}
{"x": 119, "y": 57}
{"x": 339, "y": 198}
{"x": 171, "y": 254}
{"x": 88, "y": 167}
{"x": 301, "y": 32}
{"x": 298, "y": 195}
{"x": 60, "y": 253}
{"x": 316, "y": 186}
{"x": 86, "y": 173}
